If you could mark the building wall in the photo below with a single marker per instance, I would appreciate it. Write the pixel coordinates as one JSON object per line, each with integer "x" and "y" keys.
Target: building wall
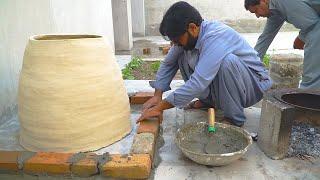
{"x": 138, "y": 17}
{"x": 21, "y": 19}
{"x": 232, "y": 12}
{"x": 122, "y": 24}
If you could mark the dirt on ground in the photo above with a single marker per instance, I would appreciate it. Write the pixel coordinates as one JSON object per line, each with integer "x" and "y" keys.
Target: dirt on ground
{"x": 146, "y": 72}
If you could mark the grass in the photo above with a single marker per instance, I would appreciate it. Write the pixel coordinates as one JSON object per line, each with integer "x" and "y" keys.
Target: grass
{"x": 134, "y": 64}
{"x": 266, "y": 60}
{"x": 139, "y": 69}
{"x": 155, "y": 66}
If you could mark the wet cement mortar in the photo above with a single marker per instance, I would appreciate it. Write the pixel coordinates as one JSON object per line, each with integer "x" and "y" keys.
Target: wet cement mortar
{"x": 304, "y": 140}
{"x": 223, "y": 140}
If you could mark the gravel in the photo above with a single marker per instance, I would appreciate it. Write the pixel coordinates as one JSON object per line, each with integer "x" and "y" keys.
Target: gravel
{"x": 305, "y": 140}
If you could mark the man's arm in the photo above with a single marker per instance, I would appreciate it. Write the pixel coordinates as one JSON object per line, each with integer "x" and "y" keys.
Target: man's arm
{"x": 301, "y": 14}
{"x": 271, "y": 29}
{"x": 155, "y": 111}
{"x": 165, "y": 74}
{"x": 167, "y": 70}
{"x": 212, "y": 52}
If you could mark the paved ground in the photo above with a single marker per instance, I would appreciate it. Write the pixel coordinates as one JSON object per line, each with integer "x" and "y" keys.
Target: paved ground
{"x": 254, "y": 165}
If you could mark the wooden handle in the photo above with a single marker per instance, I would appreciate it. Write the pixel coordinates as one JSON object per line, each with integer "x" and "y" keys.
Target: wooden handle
{"x": 211, "y": 117}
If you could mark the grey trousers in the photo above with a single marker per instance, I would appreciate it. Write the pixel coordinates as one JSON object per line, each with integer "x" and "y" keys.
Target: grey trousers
{"x": 234, "y": 88}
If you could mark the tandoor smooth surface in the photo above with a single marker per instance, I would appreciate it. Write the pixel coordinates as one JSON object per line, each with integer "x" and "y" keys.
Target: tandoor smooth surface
{"x": 71, "y": 95}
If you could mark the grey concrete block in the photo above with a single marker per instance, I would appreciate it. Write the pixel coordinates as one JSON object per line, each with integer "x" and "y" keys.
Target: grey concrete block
{"x": 275, "y": 127}
{"x": 143, "y": 143}
{"x": 286, "y": 70}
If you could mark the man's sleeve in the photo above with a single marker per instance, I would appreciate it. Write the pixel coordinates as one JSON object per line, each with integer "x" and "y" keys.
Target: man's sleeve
{"x": 211, "y": 55}
{"x": 168, "y": 69}
{"x": 302, "y": 36}
{"x": 271, "y": 29}
{"x": 300, "y": 14}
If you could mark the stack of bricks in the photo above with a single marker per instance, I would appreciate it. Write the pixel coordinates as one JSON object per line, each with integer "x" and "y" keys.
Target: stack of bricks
{"x": 136, "y": 165}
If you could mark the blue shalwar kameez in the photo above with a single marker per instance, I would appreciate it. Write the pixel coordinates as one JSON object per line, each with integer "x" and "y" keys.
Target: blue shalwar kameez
{"x": 223, "y": 70}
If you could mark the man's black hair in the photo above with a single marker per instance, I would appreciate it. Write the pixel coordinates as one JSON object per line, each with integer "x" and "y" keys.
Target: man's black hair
{"x": 177, "y": 18}
{"x": 248, "y": 3}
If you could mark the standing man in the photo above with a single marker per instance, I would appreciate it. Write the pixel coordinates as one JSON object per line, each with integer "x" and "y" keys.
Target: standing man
{"x": 219, "y": 67}
{"x": 304, "y": 15}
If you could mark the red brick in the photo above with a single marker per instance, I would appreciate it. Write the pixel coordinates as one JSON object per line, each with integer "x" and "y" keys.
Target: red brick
{"x": 149, "y": 126}
{"x": 141, "y": 97}
{"x": 146, "y": 51}
{"x": 137, "y": 166}
{"x": 9, "y": 161}
{"x": 85, "y": 166}
{"x": 48, "y": 163}
{"x": 165, "y": 50}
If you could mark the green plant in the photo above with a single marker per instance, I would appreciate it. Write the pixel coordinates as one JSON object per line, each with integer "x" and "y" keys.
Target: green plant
{"x": 266, "y": 60}
{"x": 126, "y": 74}
{"x": 133, "y": 64}
{"x": 155, "y": 66}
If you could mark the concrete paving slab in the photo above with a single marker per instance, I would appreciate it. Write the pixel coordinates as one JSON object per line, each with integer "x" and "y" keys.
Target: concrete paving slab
{"x": 123, "y": 60}
{"x": 254, "y": 165}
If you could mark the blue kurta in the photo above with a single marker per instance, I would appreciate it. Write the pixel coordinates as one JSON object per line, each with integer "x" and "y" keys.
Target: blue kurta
{"x": 223, "y": 70}
{"x": 304, "y": 15}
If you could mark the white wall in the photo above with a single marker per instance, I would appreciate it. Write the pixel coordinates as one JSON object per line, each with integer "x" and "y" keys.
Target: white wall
{"x": 122, "y": 24}
{"x": 19, "y": 19}
{"x": 138, "y": 17}
{"x": 209, "y": 9}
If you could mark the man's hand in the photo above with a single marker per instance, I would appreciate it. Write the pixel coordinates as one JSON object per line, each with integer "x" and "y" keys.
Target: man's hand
{"x": 155, "y": 111}
{"x": 298, "y": 43}
{"x": 151, "y": 102}
{"x": 150, "y": 112}
{"x": 156, "y": 99}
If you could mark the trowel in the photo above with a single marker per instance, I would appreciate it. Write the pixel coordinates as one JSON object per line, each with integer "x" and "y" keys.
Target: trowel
{"x": 211, "y": 129}
{"x": 211, "y": 120}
